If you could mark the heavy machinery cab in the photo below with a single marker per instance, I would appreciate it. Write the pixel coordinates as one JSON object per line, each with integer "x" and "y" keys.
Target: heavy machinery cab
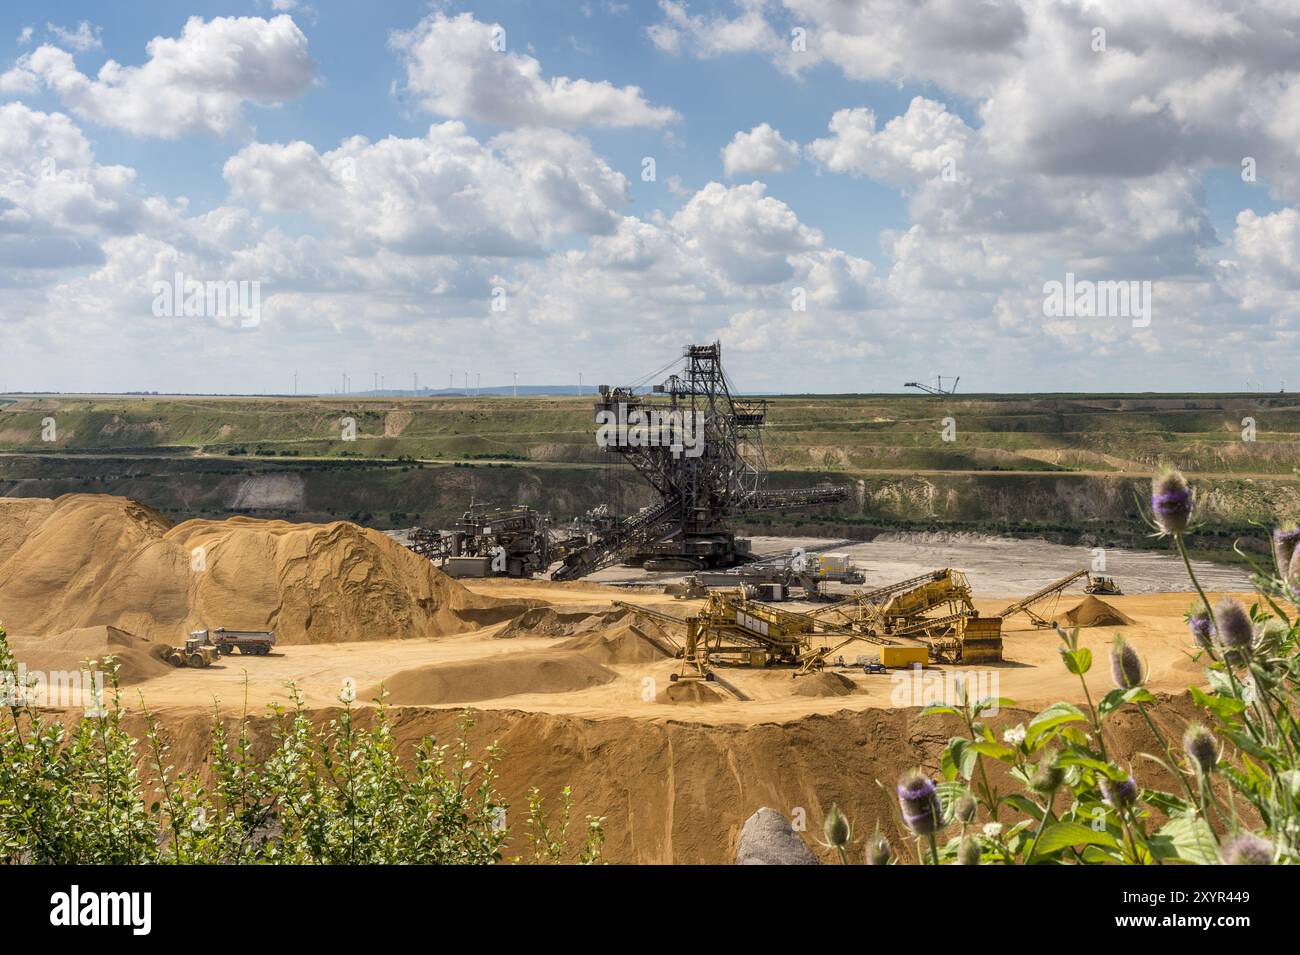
{"x": 1102, "y": 585}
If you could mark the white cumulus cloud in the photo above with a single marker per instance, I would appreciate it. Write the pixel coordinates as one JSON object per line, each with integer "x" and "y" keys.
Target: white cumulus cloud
{"x": 461, "y": 68}
{"x": 85, "y": 36}
{"x": 444, "y": 193}
{"x": 197, "y": 82}
{"x": 761, "y": 151}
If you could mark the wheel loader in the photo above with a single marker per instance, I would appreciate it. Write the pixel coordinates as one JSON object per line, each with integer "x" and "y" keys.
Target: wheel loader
{"x": 196, "y": 653}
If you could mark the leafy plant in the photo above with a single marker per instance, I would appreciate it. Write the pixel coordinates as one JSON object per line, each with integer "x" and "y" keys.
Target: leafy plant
{"x": 333, "y": 794}
{"x": 1233, "y": 782}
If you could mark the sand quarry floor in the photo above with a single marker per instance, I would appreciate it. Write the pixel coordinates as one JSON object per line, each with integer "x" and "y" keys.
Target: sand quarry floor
{"x": 577, "y": 693}
{"x": 673, "y": 777}
{"x": 514, "y": 666}
{"x": 85, "y": 575}
{"x": 578, "y": 674}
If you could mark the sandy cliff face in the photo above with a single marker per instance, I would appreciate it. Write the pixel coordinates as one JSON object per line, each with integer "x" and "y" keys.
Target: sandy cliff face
{"x": 679, "y": 792}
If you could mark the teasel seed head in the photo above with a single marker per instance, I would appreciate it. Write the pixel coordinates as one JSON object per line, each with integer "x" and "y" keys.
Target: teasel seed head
{"x": 1047, "y": 777}
{"x": 1285, "y": 540}
{"x": 1125, "y": 665}
{"x": 968, "y": 851}
{"x": 1236, "y": 631}
{"x": 1201, "y": 747}
{"x": 879, "y": 852}
{"x": 1171, "y": 501}
{"x": 1201, "y": 626}
{"x": 836, "y": 828}
{"x": 1246, "y": 848}
{"x": 1119, "y": 794}
{"x": 965, "y": 808}
{"x": 918, "y": 800}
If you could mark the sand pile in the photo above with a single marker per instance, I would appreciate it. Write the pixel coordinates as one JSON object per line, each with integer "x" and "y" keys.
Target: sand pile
{"x": 688, "y": 691}
{"x": 87, "y": 560}
{"x": 137, "y": 660}
{"x": 554, "y": 622}
{"x": 1092, "y": 612}
{"x": 630, "y": 639}
{"x": 473, "y": 681}
{"x": 824, "y": 683}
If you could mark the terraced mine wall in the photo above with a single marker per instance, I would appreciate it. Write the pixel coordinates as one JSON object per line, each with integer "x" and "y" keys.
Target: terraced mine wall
{"x": 1059, "y": 506}
{"x": 1063, "y": 467}
{"x": 1255, "y": 434}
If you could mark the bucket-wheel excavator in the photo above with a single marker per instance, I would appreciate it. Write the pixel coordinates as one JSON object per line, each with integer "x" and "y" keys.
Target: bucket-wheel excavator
{"x": 700, "y": 447}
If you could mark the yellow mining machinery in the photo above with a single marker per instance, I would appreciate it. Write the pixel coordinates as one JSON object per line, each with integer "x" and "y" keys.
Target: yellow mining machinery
{"x": 730, "y": 626}
{"x": 932, "y": 613}
{"x": 1094, "y": 585}
{"x": 934, "y": 609}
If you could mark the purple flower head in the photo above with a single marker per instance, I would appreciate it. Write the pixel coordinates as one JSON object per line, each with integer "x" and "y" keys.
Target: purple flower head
{"x": 1125, "y": 665}
{"x": 1119, "y": 794}
{"x": 1202, "y": 628}
{"x": 1236, "y": 631}
{"x": 919, "y": 802}
{"x": 1247, "y": 849}
{"x": 1171, "y": 501}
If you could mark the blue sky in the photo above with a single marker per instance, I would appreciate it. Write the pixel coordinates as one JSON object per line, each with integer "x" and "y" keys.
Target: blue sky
{"x": 350, "y": 42}
{"x": 1118, "y": 164}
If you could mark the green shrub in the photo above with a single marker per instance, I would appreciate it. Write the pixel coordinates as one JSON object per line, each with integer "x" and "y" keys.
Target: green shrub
{"x": 337, "y": 794}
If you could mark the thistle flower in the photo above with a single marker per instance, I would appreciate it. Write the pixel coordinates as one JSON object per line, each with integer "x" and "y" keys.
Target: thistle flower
{"x": 1047, "y": 777}
{"x": 1202, "y": 627}
{"x": 1201, "y": 747}
{"x": 1171, "y": 501}
{"x": 1246, "y": 848}
{"x": 1236, "y": 631}
{"x": 919, "y": 803}
{"x": 836, "y": 828}
{"x": 1119, "y": 794}
{"x": 1125, "y": 665}
{"x": 1285, "y": 540}
{"x": 968, "y": 851}
{"x": 965, "y": 808}
{"x": 879, "y": 851}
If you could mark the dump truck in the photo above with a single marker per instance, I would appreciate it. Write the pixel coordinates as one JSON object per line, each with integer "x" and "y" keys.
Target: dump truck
{"x": 253, "y": 642}
{"x": 196, "y": 653}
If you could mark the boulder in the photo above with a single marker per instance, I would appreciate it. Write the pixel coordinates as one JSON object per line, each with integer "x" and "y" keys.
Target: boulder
{"x": 767, "y": 839}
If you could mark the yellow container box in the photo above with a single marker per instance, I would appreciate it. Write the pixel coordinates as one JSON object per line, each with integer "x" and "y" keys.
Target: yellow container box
{"x": 904, "y": 656}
